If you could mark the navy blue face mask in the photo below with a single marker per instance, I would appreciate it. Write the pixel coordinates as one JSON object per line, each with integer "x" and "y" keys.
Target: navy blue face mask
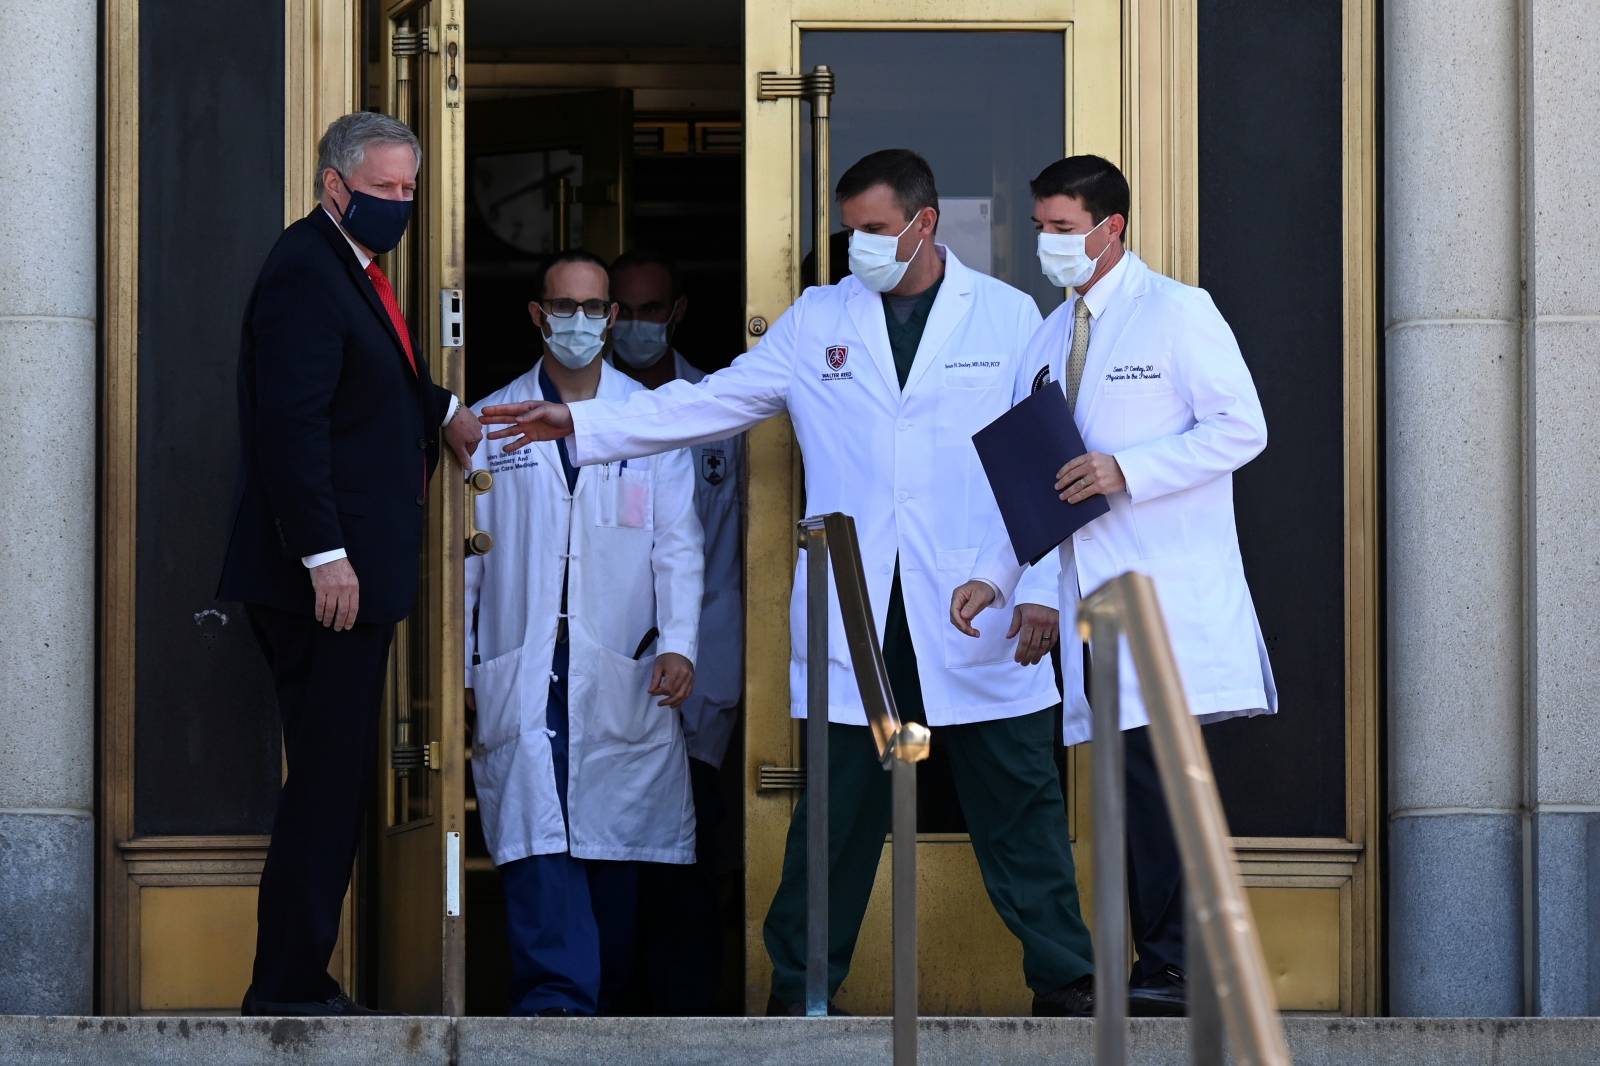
{"x": 373, "y": 221}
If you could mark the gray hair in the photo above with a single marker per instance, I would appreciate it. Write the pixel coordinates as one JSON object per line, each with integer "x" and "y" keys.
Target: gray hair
{"x": 344, "y": 146}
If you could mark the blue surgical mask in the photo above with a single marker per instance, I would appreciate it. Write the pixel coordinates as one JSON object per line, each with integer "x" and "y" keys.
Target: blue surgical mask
{"x": 576, "y": 340}
{"x": 1063, "y": 260}
{"x": 372, "y": 221}
{"x": 639, "y": 343}
{"x": 872, "y": 258}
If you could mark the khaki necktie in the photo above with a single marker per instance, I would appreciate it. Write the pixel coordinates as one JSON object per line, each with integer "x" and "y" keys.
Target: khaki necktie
{"x": 1080, "y": 351}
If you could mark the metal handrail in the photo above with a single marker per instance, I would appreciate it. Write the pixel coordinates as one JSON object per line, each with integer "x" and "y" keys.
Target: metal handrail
{"x": 900, "y": 745}
{"x": 1220, "y": 934}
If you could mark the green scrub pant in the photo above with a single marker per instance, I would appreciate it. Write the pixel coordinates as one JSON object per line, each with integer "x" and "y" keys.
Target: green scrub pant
{"x": 1010, "y": 794}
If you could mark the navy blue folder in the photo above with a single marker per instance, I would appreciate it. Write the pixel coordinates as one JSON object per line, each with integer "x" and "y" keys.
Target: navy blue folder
{"x": 1021, "y": 452}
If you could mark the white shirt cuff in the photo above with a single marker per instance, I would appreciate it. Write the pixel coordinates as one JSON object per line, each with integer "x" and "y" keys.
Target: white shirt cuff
{"x": 450, "y": 412}
{"x": 323, "y": 557}
{"x": 999, "y": 598}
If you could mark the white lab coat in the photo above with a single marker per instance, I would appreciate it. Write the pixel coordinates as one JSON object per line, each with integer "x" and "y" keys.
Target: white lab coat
{"x": 711, "y": 712}
{"x": 902, "y": 463}
{"x": 1166, "y": 391}
{"x": 634, "y": 554}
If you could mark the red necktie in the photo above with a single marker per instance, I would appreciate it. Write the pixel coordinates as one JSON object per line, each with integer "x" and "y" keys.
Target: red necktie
{"x": 380, "y": 281}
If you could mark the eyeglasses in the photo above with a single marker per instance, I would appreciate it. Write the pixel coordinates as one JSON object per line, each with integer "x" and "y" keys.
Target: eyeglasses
{"x": 564, "y": 308}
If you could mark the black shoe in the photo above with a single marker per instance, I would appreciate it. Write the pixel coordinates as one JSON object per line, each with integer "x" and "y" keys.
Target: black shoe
{"x": 557, "y": 1012}
{"x": 338, "y": 1005}
{"x": 1074, "y": 1001}
{"x": 1161, "y": 996}
{"x": 777, "y": 1008}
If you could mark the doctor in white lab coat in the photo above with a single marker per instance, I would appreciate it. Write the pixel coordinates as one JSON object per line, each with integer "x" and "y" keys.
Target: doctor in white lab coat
{"x": 886, "y": 376}
{"x": 1168, "y": 411}
{"x": 582, "y": 633}
{"x": 681, "y": 921}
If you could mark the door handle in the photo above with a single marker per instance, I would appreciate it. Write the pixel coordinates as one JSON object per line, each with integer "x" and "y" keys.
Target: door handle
{"x": 815, "y": 87}
{"x": 479, "y": 541}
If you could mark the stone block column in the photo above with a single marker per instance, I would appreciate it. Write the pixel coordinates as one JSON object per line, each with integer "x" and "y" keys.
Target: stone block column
{"x": 48, "y": 519}
{"x": 1561, "y": 262}
{"x": 1454, "y": 560}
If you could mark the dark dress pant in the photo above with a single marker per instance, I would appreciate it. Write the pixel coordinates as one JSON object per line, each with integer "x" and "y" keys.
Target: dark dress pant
{"x": 1155, "y": 871}
{"x": 330, "y": 701}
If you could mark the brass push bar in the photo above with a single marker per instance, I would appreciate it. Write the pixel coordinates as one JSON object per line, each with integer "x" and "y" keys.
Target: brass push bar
{"x": 1229, "y": 971}
{"x": 900, "y": 745}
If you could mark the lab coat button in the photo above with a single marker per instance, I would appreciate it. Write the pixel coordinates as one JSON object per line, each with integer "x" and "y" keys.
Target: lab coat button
{"x": 904, "y": 426}
{"x": 902, "y": 496}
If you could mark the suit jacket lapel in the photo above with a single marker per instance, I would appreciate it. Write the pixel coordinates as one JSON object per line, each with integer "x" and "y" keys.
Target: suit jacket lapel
{"x": 866, "y": 311}
{"x": 358, "y": 277}
{"x": 1105, "y": 338}
{"x": 951, "y": 306}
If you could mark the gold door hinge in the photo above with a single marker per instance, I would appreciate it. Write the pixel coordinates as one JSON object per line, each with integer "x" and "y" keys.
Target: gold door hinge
{"x": 770, "y": 85}
{"x": 414, "y": 42}
{"x": 780, "y": 778}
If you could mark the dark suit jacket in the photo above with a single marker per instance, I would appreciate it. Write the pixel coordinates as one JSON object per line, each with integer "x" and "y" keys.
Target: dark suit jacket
{"x": 337, "y": 435}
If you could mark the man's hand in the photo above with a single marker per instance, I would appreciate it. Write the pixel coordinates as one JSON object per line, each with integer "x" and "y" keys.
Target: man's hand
{"x": 966, "y": 602}
{"x": 529, "y": 421}
{"x": 1095, "y": 474}
{"x": 463, "y": 434}
{"x": 673, "y": 678}
{"x": 338, "y": 594}
{"x": 1035, "y": 628}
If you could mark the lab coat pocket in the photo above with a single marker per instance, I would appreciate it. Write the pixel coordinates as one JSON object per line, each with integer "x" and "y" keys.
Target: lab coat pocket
{"x": 627, "y": 499}
{"x": 502, "y": 687}
{"x": 992, "y": 646}
{"x": 621, "y": 709}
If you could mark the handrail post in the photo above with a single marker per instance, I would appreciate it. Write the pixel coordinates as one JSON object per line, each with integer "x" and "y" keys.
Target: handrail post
{"x": 1103, "y": 632}
{"x": 903, "y": 913}
{"x": 1230, "y": 973}
{"x": 815, "y": 540}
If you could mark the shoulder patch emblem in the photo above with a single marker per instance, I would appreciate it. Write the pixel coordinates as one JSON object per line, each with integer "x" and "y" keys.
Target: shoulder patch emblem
{"x": 1041, "y": 379}
{"x": 713, "y": 465}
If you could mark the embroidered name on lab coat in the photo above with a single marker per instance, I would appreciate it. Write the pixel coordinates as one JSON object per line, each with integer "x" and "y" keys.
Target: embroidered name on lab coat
{"x": 504, "y": 462}
{"x": 1135, "y": 372}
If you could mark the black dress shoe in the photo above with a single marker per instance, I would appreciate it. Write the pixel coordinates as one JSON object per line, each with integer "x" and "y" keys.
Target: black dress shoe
{"x": 1161, "y": 996}
{"x": 777, "y": 1008}
{"x": 338, "y": 1005}
{"x": 557, "y": 1012}
{"x": 1074, "y": 1001}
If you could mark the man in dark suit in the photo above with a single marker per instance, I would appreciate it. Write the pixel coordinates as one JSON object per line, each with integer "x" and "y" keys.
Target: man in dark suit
{"x": 340, "y": 428}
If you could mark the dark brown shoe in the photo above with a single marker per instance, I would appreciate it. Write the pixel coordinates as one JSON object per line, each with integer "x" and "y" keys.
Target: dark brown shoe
{"x": 1163, "y": 996}
{"x": 1074, "y": 1001}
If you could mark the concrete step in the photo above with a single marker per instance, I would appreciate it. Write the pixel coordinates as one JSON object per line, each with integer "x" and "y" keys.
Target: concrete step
{"x": 154, "y": 1041}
